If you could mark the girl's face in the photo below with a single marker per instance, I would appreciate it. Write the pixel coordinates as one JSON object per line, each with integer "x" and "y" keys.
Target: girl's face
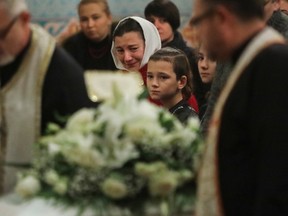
{"x": 94, "y": 21}
{"x": 162, "y": 83}
{"x": 206, "y": 66}
{"x": 130, "y": 49}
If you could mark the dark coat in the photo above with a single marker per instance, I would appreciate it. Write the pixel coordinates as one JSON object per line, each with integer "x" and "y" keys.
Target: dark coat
{"x": 253, "y": 141}
{"x": 183, "y": 111}
{"x": 90, "y": 55}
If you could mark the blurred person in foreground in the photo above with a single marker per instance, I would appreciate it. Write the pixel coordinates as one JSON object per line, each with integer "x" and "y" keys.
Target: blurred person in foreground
{"x": 273, "y": 18}
{"x": 244, "y": 167}
{"x": 39, "y": 83}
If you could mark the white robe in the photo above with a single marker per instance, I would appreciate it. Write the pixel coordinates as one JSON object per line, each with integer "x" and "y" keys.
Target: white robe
{"x": 20, "y": 110}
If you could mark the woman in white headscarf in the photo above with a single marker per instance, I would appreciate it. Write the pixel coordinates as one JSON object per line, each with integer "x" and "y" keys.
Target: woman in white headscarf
{"x": 134, "y": 40}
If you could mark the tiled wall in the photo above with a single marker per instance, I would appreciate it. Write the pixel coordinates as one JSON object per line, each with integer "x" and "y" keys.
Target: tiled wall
{"x": 55, "y": 14}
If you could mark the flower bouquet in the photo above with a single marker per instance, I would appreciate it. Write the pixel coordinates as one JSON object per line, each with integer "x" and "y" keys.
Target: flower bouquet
{"x": 127, "y": 157}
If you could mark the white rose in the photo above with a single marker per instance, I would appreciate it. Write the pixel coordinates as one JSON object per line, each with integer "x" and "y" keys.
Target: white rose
{"x": 145, "y": 130}
{"x": 79, "y": 120}
{"x": 51, "y": 177}
{"x": 163, "y": 184}
{"x": 28, "y": 186}
{"x": 114, "y": 188}
{"x": 61, "y": 187}
{"x": 113, "y": 128}
{"x": 147, "y": 170}
{"x": 86, "y": 157}
{"x": 120, "y": 153}
{"x": 147, "y": 110}
{"x": 83, "y": 152}
{"x": 53, "y": 148}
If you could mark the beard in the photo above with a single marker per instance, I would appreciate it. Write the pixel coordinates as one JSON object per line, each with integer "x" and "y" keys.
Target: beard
{"x": 6, "y": 59}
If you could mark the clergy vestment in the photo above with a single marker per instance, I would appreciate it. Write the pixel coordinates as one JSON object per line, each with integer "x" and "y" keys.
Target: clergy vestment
{"x": 42, "y": 81}
{"x": 244, "y": 170}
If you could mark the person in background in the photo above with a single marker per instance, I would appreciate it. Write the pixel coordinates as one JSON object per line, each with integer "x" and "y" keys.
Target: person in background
{"x": 38, "y": 83}
{"x": 207, "y": 68}
{"x": 165, "y": 15}
{"x": 284, "y": 6}
{"x": 244, "y": 166}
{"x": 274, "y": 17}
{"x": 91, "y": 46}
{"x": 134, "y": 40}
{"x": 169, "y": 81}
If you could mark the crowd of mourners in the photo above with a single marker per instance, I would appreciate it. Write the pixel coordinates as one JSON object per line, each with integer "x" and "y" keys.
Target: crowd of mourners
{"x": 234, "y": 80}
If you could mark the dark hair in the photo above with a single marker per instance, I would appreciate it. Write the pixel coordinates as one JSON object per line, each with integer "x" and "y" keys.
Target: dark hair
{"x": 244, "y": 9}
{"x": 128, "y": 25}
{"x": 181, "y": 66}
{"x": 104, "y": 2}
{"x": 164, "y": 9}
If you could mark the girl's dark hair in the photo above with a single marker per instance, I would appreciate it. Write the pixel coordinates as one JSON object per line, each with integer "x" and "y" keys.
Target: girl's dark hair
{"x": 164, "y": 9}
{"x": 128, "y": 25}
{"x": 181, "y": 66}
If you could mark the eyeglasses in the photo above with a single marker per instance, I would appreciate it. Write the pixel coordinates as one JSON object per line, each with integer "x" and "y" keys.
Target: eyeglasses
{"x": 4, "y": 32}
{"x": 198, "y": 19}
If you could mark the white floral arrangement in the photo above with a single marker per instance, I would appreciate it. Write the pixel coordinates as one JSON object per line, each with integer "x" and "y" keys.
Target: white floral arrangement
{"x": 126, "y": 153}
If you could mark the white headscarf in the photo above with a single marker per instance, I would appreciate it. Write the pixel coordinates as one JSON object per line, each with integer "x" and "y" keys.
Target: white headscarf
{"x": 152, "y": 41}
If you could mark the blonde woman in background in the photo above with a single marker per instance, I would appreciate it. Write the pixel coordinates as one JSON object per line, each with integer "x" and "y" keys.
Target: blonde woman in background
{"x": 91, "y": 46}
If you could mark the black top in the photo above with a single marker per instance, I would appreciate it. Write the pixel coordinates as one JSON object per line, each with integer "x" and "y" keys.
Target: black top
{"x": 203, "y": 107}
{"x": 64, "y": 90}
{"x": 198, "y": 86}
{"x": 183, "y": 111}
{"x": 89, "y": 54}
